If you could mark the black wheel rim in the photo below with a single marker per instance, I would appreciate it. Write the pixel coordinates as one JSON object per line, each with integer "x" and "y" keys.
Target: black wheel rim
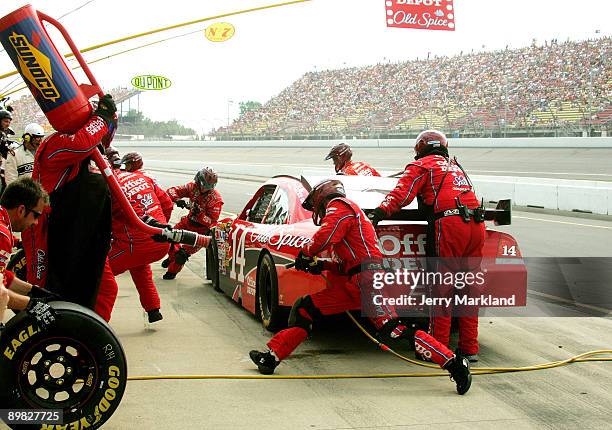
{"x": 58, "y": 373}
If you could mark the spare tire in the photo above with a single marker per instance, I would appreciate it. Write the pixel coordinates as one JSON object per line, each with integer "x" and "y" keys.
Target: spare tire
{"x": 18, "y": 264}
{"x": 77, "y": 365}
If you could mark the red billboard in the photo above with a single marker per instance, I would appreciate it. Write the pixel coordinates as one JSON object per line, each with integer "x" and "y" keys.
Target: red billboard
{"x": 422, "y": 14}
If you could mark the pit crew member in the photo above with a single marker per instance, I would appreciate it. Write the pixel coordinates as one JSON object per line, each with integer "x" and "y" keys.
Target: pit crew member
{"x": 456, "y": 231}
{"x": 341, "y": 154}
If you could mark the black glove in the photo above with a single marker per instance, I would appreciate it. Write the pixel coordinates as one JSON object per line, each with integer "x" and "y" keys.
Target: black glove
{"x": 43, "y": 294}
{"x": 308, "y": 264}
{"x": 182, "y": 204}
{"x": 41, "y": 312}
{"x": 148, "y": 219}
{"x": 106, "y": 109}
{"x": 376, "y": 216}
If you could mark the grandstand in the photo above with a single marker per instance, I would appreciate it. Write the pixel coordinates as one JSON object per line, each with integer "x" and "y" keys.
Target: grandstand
{"x": 554, "y": 89}
{"x": 26, "y": 110}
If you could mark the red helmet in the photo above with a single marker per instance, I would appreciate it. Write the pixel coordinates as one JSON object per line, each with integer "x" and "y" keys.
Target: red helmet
{"x": 318, "y": 197}
{"x": 428, "y": 140}
{"x": 206, "y": 179}
{"x": 113, "y": 157}
{"x": 132, "y": 161}
{"x": 341, "y": 154}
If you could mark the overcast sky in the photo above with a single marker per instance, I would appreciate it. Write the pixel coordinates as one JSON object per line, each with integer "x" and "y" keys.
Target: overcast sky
{"x": 272, "y": 48}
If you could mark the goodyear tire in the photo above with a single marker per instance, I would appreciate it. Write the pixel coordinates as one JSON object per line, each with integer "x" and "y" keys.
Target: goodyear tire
{"x": 77, "y": 365}
{"x": 212, "y": 264}
{"x": 18, "y": 264}
{"x": 272, "y": 315}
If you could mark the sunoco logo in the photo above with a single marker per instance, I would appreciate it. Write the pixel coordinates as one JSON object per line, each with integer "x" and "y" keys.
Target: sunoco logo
{"x": 151, "y": 82}
{"x": 35, "y": 66}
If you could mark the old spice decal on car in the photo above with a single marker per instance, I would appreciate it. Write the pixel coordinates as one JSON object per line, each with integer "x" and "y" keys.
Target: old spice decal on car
{"x": 277, "y": 238}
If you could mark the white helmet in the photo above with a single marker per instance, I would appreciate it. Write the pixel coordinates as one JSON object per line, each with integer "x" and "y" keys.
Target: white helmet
{"x": 34, "y": 130}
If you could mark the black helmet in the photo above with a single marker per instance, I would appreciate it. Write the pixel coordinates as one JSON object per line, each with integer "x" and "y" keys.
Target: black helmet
{"x": 5, "y": 114}
{"x": 132, "y": 161}
{"x": 341, "y": 154}
{"x": 113, "y": 157}
{"x": 320, "y": 195}
{"x": 206, "y": 179}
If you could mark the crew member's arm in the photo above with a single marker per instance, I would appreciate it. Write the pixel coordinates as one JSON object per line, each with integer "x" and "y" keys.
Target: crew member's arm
{"x": 10, "y": 169}
{"x": 165, "y": 201}
{"x": 4, "y": 298}
{"x": 18, "y": 286}
{"x": 334, "y": 225}
{"x": 65, "y": 149}
{"x": 181, "y": 191}
{"x": 211, "y": 213}
{"x": 406, "y": 190}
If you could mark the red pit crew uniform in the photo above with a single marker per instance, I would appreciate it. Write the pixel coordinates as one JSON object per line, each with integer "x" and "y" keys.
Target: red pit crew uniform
{"x": 6, "y": 246}
{"x": 358, "y": 168}
{"x": 204, "y": 213}
{"x": 352, "y": 239}
{"x": 132, "y": 249}
{"x": 67, "y": 252}
{"x": 453, "y": 236}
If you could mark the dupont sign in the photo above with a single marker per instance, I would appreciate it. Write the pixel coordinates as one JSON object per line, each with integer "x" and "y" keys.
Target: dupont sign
{"x": 151, "y": 82}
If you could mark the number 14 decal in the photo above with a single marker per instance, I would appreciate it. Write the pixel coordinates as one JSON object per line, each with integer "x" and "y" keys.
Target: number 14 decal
{"x": 238, "y": 235}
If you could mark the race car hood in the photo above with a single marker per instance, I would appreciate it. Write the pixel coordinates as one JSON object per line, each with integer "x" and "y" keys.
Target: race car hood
{"x": 367, "y": 191}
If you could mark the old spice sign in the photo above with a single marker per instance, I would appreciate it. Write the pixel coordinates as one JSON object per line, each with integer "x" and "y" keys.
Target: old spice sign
{"x": 423, "y": 14}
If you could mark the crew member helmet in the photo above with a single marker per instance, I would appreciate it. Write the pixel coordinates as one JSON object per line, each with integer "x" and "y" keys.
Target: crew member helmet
{"x": 317, "y": 199}
{"x": 341, "y": 154}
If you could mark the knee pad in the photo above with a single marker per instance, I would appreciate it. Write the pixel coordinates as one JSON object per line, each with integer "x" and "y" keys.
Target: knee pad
{"x": 181, "y": 257}
{"x": 303, "y": 313}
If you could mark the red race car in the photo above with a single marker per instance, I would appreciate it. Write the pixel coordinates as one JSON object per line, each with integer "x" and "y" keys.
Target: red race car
{"x": 247, "y": 257}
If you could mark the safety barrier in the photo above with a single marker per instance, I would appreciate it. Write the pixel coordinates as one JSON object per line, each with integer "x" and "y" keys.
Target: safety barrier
{"x": 561, "y": 194}
{"x": 528, "y": 142}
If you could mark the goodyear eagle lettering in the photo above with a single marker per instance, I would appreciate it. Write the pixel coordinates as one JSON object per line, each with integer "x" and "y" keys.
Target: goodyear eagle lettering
{"x": 16, "y": 343}
{"x": 34, "y": 66}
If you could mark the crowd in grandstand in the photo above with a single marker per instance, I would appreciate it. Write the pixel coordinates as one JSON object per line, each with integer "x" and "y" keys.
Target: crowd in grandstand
{"x": 546, "y": 85}
{"x": 552, "y": 85}
{"x": 27, "y": 111}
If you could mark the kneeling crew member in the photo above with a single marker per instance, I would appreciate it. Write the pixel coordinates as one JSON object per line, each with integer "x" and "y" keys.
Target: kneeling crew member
{"x": 206, "y": 204}
{"x": 348, "y": 234}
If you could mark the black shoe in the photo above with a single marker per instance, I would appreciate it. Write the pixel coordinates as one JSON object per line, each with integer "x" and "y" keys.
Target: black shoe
{"x": 165, "y": 263}
{"x": 169, "y": 275}
{"x": 155, "y": 315}
{"x": 459, "y": 369}
{"x": 472, "y": 358}
{"x": 265, "y": 361}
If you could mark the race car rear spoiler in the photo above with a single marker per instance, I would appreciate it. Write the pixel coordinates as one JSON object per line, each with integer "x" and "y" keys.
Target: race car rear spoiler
{"x": 501, "y": 215}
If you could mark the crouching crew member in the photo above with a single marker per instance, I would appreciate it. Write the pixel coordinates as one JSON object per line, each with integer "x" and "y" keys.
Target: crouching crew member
{"x": 350, "y": 237}
{"x": 131, "y": 249}
{"x": 204, "y": 211}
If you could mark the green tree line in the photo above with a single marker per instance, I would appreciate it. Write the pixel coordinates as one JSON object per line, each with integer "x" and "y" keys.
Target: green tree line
{"x": 135, "y": 122}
